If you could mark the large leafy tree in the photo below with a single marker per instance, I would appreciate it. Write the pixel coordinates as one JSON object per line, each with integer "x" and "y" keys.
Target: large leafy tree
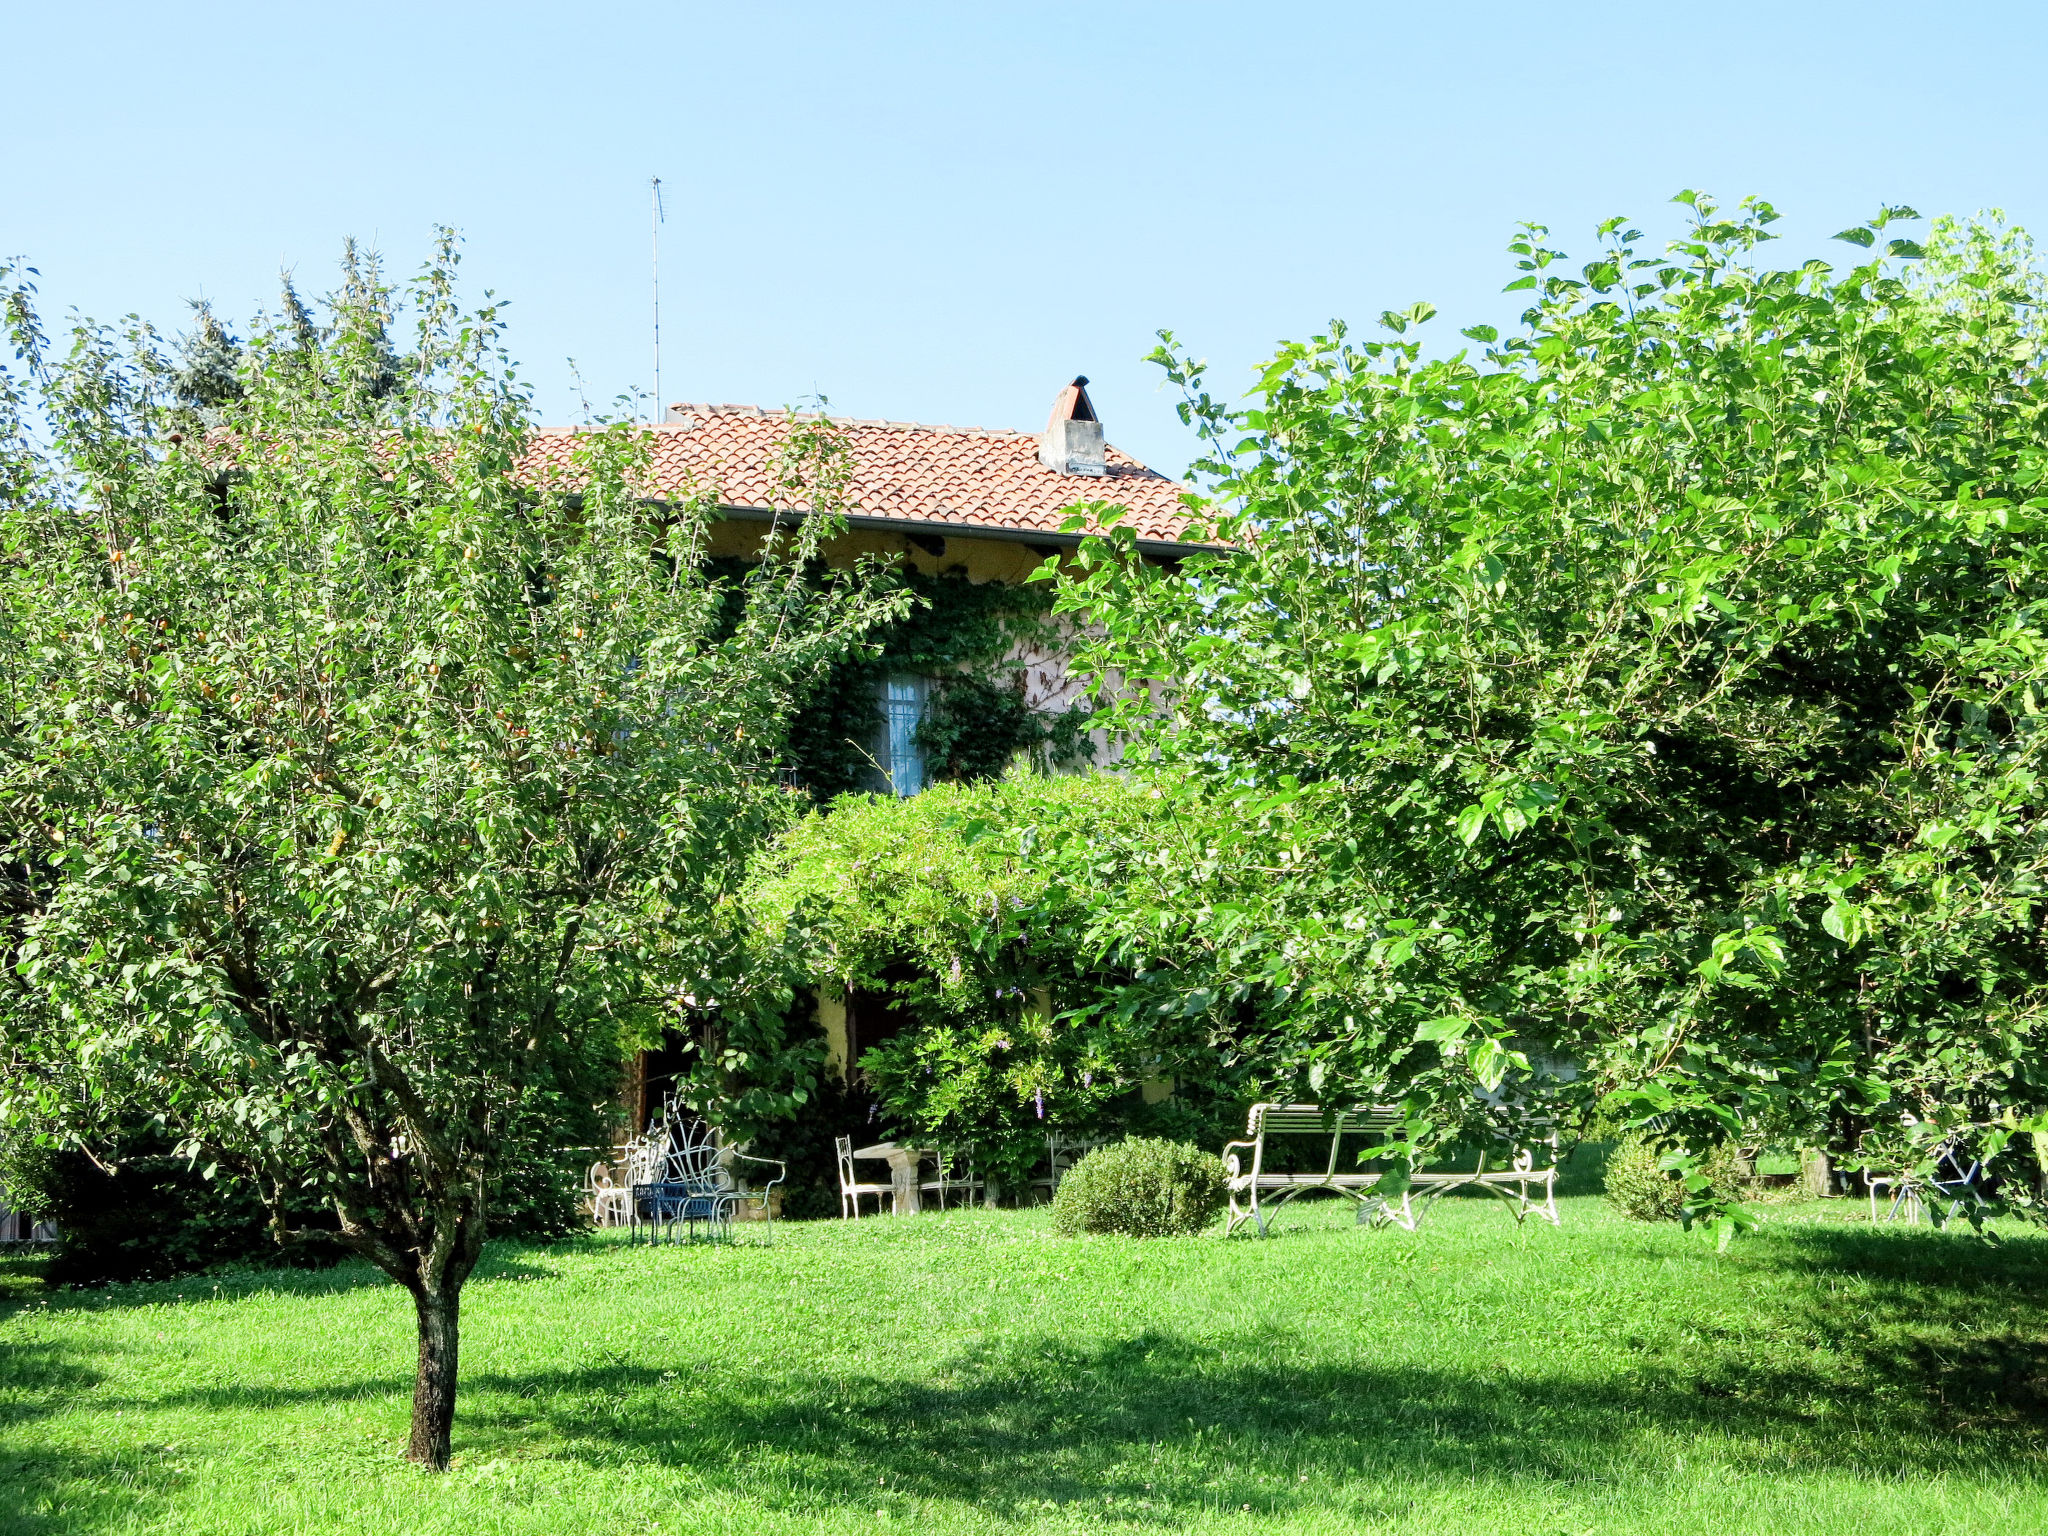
{"x": 1654, "y": 694}
{"x": 369, "y": 763}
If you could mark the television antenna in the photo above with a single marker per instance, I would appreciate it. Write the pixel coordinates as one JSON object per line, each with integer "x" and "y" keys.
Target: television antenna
{"x": 656, "y": 218}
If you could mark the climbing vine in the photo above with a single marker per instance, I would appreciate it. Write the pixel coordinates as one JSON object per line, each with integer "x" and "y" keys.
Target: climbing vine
{"x": 941, "y": 904}
{"x": 960, "y": 634}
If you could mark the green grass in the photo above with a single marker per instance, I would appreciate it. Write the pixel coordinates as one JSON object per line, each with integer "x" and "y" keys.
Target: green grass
{"x": 971, "y": 1372}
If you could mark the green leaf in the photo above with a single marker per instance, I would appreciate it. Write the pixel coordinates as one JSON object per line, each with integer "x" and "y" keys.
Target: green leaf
{"x": 1857, "y": 235}
{"x": 1844, "y": 920}
{"x": 1491, "y": 1060}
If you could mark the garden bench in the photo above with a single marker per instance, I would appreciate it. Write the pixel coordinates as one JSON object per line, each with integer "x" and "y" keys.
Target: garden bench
{"x": 1377, "y": 1124}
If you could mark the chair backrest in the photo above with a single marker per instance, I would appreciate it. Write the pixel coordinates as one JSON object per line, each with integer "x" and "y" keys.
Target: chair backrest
{"x": 956, "y": 1166}
{"x": 1949, "y": 1167}
{"x": 844, "y": 1146}
{"x": 1060, "y": 1142}
{"x": 693, "y": 1156}
{"x": 646, "y": 1159}
{"x": 1063, "y": 1151}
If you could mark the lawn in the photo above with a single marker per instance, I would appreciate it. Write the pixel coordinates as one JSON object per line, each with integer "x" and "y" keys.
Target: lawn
{"x": 973, "y": 1372}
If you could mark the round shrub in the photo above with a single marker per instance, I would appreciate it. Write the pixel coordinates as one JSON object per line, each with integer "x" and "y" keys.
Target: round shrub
{"x": 1142, "y": 1188}
{"x": 1637, "y": 1187}
{"x": 1642, "y": 1191}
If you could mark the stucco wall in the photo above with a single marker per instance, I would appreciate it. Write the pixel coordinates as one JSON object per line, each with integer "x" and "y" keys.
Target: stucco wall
{"x": 1048, "y": 685}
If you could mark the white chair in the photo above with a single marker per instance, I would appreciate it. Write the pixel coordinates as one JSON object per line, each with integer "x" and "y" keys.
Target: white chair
{"x": 956, "y": 1177}
{"x": 850, "y": 1187}
{"x": 610, "y": 1201}
{"x": 1061, "y": 1153}
{"x": 647, "y": 1158}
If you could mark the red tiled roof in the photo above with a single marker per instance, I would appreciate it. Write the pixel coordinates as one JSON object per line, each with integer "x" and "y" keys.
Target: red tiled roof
{"x": 903, "y": 472}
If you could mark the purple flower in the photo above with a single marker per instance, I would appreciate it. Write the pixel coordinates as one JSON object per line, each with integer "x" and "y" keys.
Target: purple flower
{"x": 1041, "y": 1103}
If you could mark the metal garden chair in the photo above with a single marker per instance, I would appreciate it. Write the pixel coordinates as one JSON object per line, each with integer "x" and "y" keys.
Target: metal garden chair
{"x": 609, "y": 1200}
{"x": 850, "y": 1186}
{"x": 1061, "y": 1153}
{"x": 955, "y": 1177}
{"x": 1948, "y": 1178}
{"x": 695, "y": 1184}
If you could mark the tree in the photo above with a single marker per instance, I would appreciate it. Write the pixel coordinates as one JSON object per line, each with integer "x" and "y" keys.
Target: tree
{"x": 1647, "y": 708}
{"x": 369, "y": 762}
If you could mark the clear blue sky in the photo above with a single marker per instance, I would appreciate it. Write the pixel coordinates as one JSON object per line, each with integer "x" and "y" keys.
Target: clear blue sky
{"x": 941, "y": 212}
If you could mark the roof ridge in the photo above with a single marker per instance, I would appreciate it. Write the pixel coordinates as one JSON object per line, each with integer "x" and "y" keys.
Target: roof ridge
{"x": 712, "y": 408}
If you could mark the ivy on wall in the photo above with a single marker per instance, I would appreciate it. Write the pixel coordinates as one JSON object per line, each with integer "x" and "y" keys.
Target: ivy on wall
{"x": 958, "y": 633}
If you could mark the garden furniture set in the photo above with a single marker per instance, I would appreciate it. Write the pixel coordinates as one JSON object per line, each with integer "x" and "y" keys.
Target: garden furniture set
{"x": 954, "y": 1173}
{"x": 953, "y": 1176}
{"x": 680, "y": 1177}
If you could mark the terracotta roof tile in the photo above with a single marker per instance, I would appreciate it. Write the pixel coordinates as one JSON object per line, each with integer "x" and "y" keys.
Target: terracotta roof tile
{"x": 957, "y": 477}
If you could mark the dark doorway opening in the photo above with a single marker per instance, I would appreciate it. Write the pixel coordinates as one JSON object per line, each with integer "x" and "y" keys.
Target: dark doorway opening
{"x": 874, "y": 1018}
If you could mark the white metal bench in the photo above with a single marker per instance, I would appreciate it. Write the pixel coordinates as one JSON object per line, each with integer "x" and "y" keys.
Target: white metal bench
{"x": 1376, "y": 1124}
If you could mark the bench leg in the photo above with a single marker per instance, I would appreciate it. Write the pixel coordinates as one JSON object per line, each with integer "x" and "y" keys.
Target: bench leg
{"x": 1378, "y": 1211}
{"x": 1237, "y": 1216}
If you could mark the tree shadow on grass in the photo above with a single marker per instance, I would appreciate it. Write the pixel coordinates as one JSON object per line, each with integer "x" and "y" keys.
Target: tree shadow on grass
{"x": 501, "y": 1262}
{"x": 1875, "y": 1354}
{"x": 1162, "y": 1426}
{"x": 1185, "y": 1423}
{"x": 47, "y": 1490}
{"x": 1950, "y": 1331}
{"x": 35, "y": 1379}
{"x": 1889, "y": 1355}
{"x": 50, "y": 1493}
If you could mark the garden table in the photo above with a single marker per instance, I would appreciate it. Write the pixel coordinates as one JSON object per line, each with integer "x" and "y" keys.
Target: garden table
{"x": 903, "y": 1165}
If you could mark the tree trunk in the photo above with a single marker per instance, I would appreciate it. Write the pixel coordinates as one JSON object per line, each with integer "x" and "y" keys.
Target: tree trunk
{"x": 1817, "y": 1173}
{"x": 433, "y": 1392}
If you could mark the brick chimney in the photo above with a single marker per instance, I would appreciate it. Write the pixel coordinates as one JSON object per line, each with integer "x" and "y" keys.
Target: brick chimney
{"x": 1073, "y": 437}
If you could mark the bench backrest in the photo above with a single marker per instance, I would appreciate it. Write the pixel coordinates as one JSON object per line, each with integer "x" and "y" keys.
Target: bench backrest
{"x": 1316, "y": 1120}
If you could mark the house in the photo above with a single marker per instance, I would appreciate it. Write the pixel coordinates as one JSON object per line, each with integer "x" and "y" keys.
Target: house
{"x": 970, "y": 504}
{"x": 20, "y": 1227}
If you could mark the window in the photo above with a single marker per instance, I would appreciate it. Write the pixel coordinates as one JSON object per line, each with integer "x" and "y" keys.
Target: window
{"x": 900, "y": 757}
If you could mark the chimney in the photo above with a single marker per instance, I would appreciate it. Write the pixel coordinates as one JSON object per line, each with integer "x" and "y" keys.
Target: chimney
{"x": 1073, "y": 438}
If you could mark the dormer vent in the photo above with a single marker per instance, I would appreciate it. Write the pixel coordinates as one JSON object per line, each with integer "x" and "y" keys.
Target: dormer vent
{"x": 1073, "y": 437}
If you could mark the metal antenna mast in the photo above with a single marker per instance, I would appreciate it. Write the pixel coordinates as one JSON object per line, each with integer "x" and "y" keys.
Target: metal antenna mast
{"x": 654, "y": 191}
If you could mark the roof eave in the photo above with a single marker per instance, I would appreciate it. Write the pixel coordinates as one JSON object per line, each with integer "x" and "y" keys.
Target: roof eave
{"x": 1161, "y": 549}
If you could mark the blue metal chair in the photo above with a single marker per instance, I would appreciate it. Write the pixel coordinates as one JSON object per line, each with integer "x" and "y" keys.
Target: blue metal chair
{"x": 1944, "y": 1179}
{"x": 697, "y": 1185}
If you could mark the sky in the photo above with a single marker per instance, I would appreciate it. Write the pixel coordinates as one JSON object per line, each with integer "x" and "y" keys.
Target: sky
{"x": 943, "y": 212}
